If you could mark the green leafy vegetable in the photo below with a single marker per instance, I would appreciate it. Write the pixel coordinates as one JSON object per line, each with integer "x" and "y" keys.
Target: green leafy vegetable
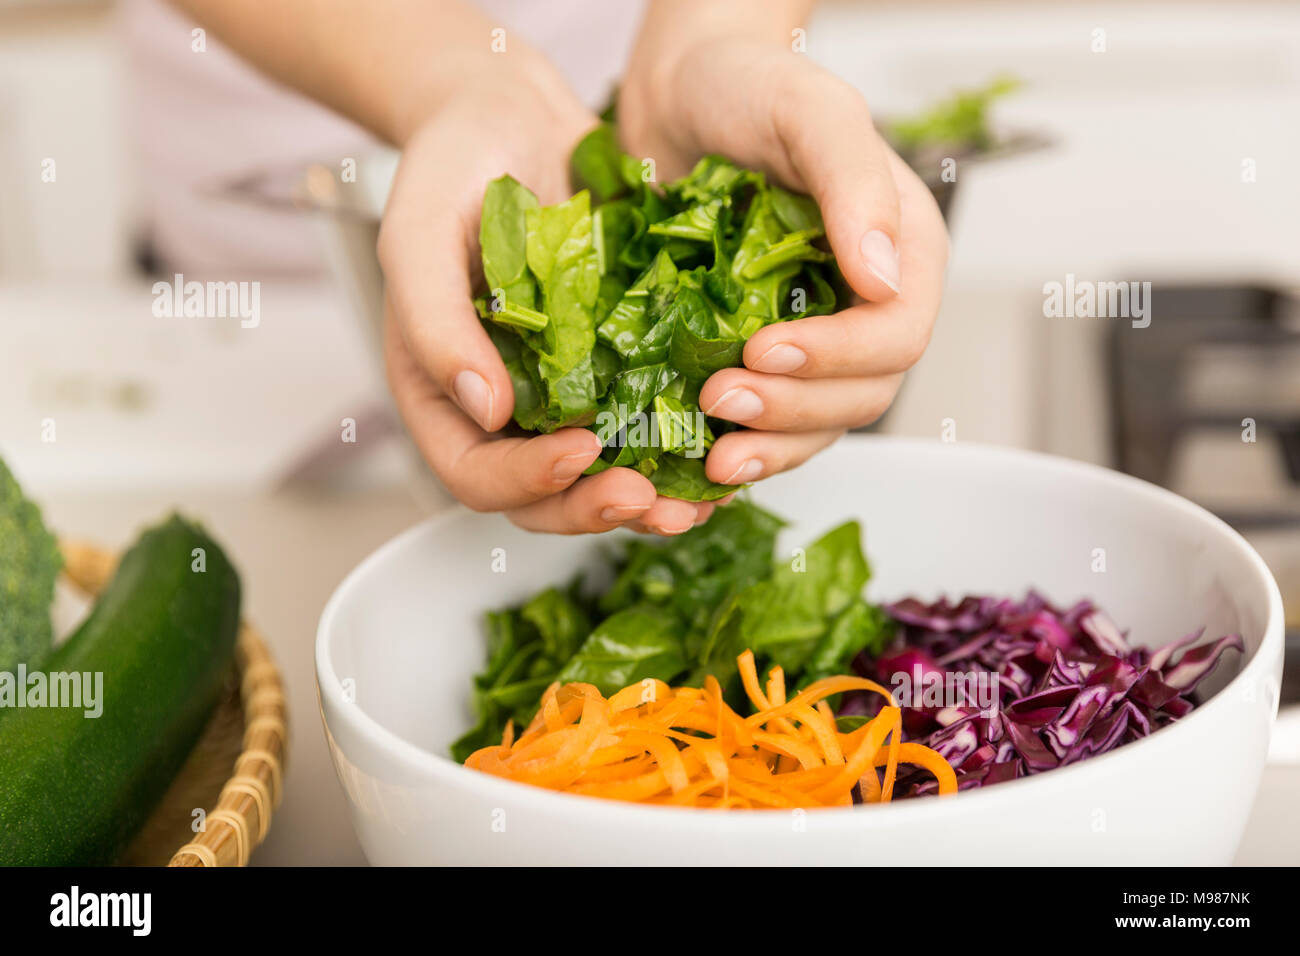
{"x": 581, "y": 298}
{"x": 958, "y": 123}
{"x": 785, "y": 617}
{"x": 682, "y": 609}
{"x": 561, "y": 624}
{"x": 628, "y": 646}
{"x": 503, "y": 236}
{"x": 29, "y": 565}
{"x": 677, "y": 477}
{"x": 860, "y": 626}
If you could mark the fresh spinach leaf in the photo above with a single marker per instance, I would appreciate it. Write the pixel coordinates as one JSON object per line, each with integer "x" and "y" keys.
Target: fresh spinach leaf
{"x": 581, "y": 297}
{"x": 700, "y": 345}
{"x": 627, "y": 647}
{"x": 502, "y": 238}
{"x": 640, "y": 306}
{"x": 560, "y": 623}
{"x": 712, "y": 178}
{"x": 797, "y": 212}
{"x": 522, "y": 365}
{"x": 859, "y": 627}
{"x": 597, "y": 164}
{"x": 677, "y": 477}
{"x": 679, "y": 610}
{"x": 696, "y": 223}
{"x": 783, "y": 618}
{"x": 632, "y": 393}
{"x": 847, "y": 723}
{"x": 561, "y": 254}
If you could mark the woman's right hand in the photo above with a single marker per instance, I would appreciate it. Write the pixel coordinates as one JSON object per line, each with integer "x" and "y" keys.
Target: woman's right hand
{"x": 450, "y": 385}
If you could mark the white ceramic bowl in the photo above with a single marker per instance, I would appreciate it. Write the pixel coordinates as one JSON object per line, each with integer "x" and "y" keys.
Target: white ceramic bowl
{"x": 401, "y": 637}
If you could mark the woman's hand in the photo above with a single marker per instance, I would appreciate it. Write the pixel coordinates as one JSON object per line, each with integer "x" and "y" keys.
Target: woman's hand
{"x": 448, "y": 380}
{"x": 465, "y": 102}
{"x": 719, "y": 76}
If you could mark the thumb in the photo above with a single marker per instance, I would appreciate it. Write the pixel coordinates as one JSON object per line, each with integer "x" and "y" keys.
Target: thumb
{"x": 428, "y": 290}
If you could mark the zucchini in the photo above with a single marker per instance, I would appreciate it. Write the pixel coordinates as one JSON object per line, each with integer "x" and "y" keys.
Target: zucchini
{"x": 74, "y": 789}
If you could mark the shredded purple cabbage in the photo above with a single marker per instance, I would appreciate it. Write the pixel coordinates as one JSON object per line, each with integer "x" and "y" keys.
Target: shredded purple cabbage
{"x": 1069, "y": 686}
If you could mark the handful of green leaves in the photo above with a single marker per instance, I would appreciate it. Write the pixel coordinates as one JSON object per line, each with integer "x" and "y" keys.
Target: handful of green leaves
{"x": 611, "y": 309}
{"x": 680, "y": 610}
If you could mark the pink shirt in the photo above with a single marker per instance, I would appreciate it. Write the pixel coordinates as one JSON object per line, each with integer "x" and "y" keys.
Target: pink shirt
{"x": 200, "y": 120}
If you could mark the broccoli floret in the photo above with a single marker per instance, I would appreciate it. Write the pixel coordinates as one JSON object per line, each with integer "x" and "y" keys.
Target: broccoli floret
{"x": 29, "y": 564}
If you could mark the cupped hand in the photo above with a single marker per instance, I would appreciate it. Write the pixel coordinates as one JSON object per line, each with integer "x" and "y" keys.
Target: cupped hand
{"x": 449, "y": 383}
{"x": 752, "y": 99}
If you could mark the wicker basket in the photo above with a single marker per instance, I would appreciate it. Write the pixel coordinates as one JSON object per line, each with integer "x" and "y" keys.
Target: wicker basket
{"x": 219, "y": 807}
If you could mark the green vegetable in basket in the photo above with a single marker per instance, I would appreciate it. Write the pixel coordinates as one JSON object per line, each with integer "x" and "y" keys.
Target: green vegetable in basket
{"x": 611, "y": 309}
{"x": 89, "y": 744}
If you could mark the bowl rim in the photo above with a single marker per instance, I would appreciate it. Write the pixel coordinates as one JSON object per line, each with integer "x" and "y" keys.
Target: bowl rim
{"x": 508, "y": 792}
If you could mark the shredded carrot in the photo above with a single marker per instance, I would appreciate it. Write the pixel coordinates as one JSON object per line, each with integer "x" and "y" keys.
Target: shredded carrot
{"x": 776, "y": 687}
{"x": 749, "y": 677}
{"x": 685, "y": 746}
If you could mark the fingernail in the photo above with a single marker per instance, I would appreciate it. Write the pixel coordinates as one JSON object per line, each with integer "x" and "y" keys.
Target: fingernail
{"x": 780, "y": 358}
{"x": 750, "y": 470}
{"x": 881, "y": 256}
{"x": 617, "y": 513}
{"x": 474, "y": 395}
{"x": 571, "y": 466}
{"x": 737, "y": 405}
{"x": 670, "y": 532}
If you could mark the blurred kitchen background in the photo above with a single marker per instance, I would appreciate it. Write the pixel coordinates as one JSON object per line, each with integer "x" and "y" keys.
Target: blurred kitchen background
{"x": 1147, "y": 141}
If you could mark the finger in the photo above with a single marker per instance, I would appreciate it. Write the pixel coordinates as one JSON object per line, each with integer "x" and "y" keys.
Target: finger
{"x": 826, "y": 128}
{"x": 486, "y": 474}
{"x": 782, "y": 403}
{"x": 426, "y": 270}
{"x": 874, "y": 339}
{"x": 703, "y": 511}
{"x": 668, "y": 516}
{"x": 597, "y": 503}
{"x": 743, "y": 456}
{"x": 862, "y": 341}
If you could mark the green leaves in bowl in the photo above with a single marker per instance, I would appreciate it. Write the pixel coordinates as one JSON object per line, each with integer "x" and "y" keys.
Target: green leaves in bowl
{"x": 611, "y": 309}
{"x": 682, "y": 609}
